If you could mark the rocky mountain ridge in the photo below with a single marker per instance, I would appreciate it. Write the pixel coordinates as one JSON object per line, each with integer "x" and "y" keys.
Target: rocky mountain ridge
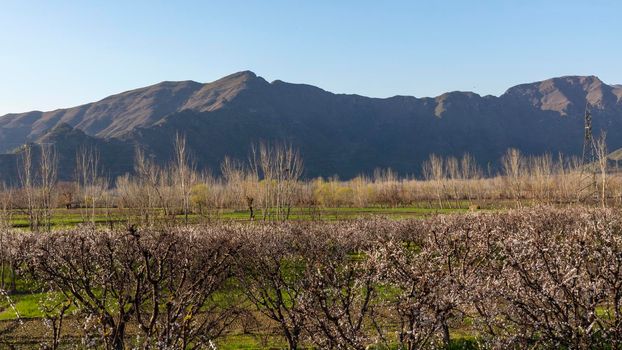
{"x": 336, "y": 133}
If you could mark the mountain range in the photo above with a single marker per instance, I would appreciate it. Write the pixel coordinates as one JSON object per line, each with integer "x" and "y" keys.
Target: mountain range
{"x": 337, "y": 134}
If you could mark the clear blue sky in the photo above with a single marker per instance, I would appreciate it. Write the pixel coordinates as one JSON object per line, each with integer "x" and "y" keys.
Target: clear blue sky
{"x": 60, "y": 53}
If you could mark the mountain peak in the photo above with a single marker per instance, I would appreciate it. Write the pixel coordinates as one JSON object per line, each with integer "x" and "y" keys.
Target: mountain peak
{"x": 238, "y": 77}
{"x": 567, "y": 94}
{"x": 579, "y": 79}
{"x": 245, "y": 73}
{"x": 216, "y": 94}
{"x": 453, "y": 100}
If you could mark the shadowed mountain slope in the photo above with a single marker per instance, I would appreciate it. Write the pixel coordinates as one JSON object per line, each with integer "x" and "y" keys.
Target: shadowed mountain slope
{"x": 336, "y": 133}
{"x": 118, "y": 114}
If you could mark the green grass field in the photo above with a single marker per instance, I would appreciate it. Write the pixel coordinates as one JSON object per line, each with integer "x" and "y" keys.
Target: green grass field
{"x": 67, "y": 218}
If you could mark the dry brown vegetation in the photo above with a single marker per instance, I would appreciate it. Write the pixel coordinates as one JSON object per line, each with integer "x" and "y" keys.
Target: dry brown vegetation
{"x": 269, "y": 186}
{"x": 539, "y": 277}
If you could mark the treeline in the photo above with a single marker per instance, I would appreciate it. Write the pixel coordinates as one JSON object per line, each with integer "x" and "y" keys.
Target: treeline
{"x": 537, "y": 278}
{"x": 269, "y": 185}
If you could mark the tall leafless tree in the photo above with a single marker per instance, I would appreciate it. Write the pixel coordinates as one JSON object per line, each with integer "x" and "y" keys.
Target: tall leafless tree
{"x": 88, "y": 177}
{"x": 28, "y": 185}
{"x": 602, "y": 159}
{"x": 48, "y": 175}
{"x": 279, "y": 166}
{"x": 184, "y": 174}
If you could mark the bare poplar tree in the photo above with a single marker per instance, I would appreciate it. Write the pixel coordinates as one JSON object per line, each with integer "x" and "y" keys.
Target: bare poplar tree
{"x": 6, "y": 212}
{"x": 107, "y": 199}
{"x": 280, "y": 167}
{"x": 513, "y": 166}
{"x": 184, "y": 174}
{"x": 469, "y": 168}
{"x": 602, "y": 159}
{"x": 433, "y": 170}
{"x": 241, "y": 183}
{"x": 48, "y": 166}
{"x": 28, "y": 186}
{"x": 388, "y": 186}
{"x": 471, "y": 173}
{"x": 541, "y": 170}
{"x": 6, "y": 205}
{"x": 149, "y": 177}
{"x": 452, "y": 169}
{"x": 88, "y": 178}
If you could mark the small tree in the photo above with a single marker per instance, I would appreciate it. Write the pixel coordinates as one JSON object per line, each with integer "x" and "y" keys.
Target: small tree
{"x": 272, "y": 273}
{"x": 342, "y": 289}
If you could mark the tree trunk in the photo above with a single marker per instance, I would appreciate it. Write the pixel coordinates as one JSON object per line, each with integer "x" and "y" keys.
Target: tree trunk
{"x": 446, "y": 336}
{"x": 292, "y": 344}
{"x": 118, "y": 338}
{"x": 13, "y": 288}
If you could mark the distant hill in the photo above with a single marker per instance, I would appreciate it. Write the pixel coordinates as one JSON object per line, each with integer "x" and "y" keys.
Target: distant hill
{"x": 336, "y": 133}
